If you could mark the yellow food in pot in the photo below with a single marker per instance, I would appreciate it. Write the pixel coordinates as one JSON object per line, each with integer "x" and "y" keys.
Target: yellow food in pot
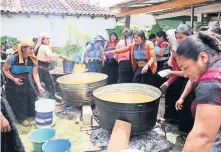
{"x": 80, "y": 79}
{"x": 127, "y": 97}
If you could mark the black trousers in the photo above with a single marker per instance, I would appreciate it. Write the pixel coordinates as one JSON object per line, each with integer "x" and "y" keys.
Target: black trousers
{"x": 172, "y": 95}
{"x": 146, "y": 78}
{"x": 185, "y": 116}
{"x": 47, "y": 79}
{"x": 111, "y": 69}
{"x": 10, "y": 141}
{"x": 125, "y": 72}
{"x": 21, "y": 99}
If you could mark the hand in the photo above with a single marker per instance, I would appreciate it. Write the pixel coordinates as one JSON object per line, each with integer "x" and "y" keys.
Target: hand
{"x": 108, "y": 53}
{"x": 145, "y": 69}
{"x": 5, "y": 126}
{"x": 164, "y": 86}
{"x": 179, "y": 104}
{"x": 63, "y": 57}
{"x": 41, "y": 90}
{"x": 18, "y": 81}
{"x": 169, "y": 74}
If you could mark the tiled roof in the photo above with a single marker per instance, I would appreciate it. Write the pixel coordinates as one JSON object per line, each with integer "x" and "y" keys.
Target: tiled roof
{"x": 66, "y": 7}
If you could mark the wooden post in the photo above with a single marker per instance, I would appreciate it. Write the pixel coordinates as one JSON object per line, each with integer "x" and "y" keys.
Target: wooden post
{"x": 192, "y": 16}
{"x": 127, "y": 21}
{"x": 120, "y": 136}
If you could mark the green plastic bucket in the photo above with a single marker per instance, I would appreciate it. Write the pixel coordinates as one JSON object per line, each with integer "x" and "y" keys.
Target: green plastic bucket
{"x": 39, "y": 136}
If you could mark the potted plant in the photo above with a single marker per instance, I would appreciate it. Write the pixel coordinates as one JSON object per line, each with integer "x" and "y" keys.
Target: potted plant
{"x": 72, "y": 51}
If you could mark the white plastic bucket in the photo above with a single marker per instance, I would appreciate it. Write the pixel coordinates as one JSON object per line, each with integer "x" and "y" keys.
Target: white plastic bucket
{"x": 44, "y": 113}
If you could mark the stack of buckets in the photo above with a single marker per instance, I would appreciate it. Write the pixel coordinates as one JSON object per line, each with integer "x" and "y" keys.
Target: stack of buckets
{"x": 42, "y": 138}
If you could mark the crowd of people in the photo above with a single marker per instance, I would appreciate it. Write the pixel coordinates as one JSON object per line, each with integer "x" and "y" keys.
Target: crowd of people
{"x": 191, "y": 86}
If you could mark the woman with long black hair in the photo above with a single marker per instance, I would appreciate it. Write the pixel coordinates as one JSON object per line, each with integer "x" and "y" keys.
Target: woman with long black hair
{"x": 198, "y": 57}
{"x": 125, "y": 70}
{"x": 111, "y": 65}
{"x": 143, "y": 58}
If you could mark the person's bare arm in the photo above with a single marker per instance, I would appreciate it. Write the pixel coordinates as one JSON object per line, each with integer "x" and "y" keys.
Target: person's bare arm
{"x": 161, "y": 53}
{"x": 8, "y": 74}
{"x": 37, "y": 79}
{"x": 206, "y": 126}
{"x": 178, "y": 73}
{"x": 188, "y": 88}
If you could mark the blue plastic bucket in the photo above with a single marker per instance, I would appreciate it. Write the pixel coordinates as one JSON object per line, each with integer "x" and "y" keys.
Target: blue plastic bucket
{"x": 57, "y": 145}
{"x": 68, "y": 66}
{"x": 40, "y": 136}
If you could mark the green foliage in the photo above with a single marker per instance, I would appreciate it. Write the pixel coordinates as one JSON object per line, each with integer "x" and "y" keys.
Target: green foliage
{"x": 13, "y": 41}
{"x": 117, "y": 29}
{"x": 197, "y": 26}
{"x": 155, "y": 28}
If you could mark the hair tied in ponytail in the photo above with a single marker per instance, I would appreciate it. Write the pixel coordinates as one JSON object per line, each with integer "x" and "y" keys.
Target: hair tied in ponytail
{"x": 210, "y": 40}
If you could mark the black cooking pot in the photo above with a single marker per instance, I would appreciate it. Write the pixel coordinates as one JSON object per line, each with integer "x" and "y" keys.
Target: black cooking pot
{"x": 141, "y": 115}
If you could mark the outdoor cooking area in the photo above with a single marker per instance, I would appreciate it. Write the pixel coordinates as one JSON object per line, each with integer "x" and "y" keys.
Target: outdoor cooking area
{"x": 95, "y": 117}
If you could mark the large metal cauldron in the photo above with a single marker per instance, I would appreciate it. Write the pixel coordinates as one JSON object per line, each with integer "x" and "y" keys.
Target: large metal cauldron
{"x": 80, "y": 93}
{"x": 142, "y": 115}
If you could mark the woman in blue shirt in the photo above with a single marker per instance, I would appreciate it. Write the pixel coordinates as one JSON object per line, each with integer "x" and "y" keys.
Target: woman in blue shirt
{"x": 19, "y": 90}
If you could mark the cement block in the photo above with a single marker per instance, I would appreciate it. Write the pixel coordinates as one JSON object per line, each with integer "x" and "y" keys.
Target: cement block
{"x": 87, "y": 115}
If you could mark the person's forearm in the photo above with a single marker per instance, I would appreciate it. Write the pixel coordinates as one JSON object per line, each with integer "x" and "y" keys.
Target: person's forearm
{"x": 197, "y": 142}
{"x": 8, "y": 75}
{"x": 187, "y": 90}
{"x": 37, "y": 79}
{"x": 178, "y": 73}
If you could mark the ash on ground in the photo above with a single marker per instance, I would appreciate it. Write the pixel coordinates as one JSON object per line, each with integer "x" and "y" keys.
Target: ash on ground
{"x": 151, "y": 141}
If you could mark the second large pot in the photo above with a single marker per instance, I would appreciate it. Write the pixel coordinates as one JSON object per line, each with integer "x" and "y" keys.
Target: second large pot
{"x": 141, "y": 115}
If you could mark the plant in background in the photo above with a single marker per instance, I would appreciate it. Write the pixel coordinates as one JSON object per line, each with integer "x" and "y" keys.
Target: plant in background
{"x": 117, "y": 29}
{"x": 76, "y": 41}
{"x": 197, "y": 26}
{"x": 166, "y": 28}
{"x": 155, "y": 28}
{"x": 13, "y": 41}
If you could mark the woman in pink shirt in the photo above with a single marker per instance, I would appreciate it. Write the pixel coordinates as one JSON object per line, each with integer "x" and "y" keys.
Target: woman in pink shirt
{"x": 125, "y": 69}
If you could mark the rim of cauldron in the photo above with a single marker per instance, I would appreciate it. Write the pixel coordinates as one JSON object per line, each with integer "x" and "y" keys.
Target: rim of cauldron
{"x": 84, "y": 73}
{"x": 144, "y": 102}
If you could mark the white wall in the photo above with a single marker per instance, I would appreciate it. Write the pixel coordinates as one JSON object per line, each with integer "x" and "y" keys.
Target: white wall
{"x": 142, "y": 20}
{"x": 22, "y": 27}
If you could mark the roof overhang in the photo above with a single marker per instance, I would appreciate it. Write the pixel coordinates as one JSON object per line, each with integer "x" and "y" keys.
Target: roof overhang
{"x": 133, "y": 7}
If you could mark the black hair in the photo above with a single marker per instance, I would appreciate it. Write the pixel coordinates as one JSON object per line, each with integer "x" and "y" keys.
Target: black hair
{"x": 162, "y": 34}
{"x": 203, "y": 28}
{"x": 140, "y": 33}
{"x": 115, "y": 34}
{"x": 126, "y": 34}
{"x": 152, "y": 36}
{"x": 87, "y": 43}
{"x": 184, "y": 29}
{"x": 34, "y": 39}
{"x": 215, "y": 29}
{"x": 6, "y": 41}
{"x": 192, "y": 46}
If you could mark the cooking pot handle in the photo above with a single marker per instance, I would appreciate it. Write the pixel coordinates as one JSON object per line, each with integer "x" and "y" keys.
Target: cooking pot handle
{"x": 140, "y": 108}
